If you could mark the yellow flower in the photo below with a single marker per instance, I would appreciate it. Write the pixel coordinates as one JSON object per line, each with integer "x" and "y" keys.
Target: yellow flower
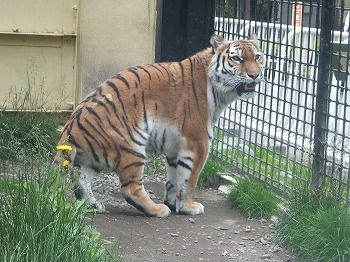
{"x": 65, "y": 163}
{"x": 64, "y": 147}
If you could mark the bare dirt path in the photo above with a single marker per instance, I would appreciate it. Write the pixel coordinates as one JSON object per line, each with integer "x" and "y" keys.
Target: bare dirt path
{"x": 220, "y": 234}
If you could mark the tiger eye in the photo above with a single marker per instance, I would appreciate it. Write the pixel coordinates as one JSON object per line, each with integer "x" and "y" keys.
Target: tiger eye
{"x": 257, "y": 56}
{"x": 236, "y": 58}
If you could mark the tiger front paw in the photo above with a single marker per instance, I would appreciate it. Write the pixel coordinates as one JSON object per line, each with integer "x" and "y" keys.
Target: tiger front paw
{"x": 192, "y": 208}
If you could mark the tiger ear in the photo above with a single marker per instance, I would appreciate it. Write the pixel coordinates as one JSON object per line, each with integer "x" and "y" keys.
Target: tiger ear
{"x": 253, "y": 37}
{"x": 216, "y": 40}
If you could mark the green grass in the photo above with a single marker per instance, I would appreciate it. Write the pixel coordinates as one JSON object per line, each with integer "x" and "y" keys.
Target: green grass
{"x": 263, "y": 162}
{"x": 155, "y": 165}
{"x": 211, "y": 167}
{"x": 253, "y": 199}
{"x": 24, "y": 134}
{"x": 316, "y": 227}
{"x": 38, "y": 224}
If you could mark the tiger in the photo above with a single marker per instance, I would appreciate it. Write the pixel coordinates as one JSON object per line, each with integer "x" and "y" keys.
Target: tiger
{"x": 167, "y": 108}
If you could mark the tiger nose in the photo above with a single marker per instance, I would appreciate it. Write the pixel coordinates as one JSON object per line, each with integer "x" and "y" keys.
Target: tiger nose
{"x": 253, "y": 75}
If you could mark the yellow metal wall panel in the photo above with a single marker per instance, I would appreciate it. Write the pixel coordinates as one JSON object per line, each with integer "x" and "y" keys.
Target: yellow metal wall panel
{"x": 37, "y": 72}
{"x": 38, "y": 54}
{"x": 38, "y": 16}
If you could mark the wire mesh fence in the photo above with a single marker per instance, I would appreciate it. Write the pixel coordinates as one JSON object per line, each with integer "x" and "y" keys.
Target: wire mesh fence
{"x": 297, "y": 129}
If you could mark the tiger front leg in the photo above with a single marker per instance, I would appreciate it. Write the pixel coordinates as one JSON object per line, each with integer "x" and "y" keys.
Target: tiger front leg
{"x": 171, "y": 184}
{"x": 134, "y": 193}
{"x": 188, "y": 169}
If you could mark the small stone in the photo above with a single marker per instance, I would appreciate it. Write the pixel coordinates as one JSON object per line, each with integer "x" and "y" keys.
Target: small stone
{"x": 224, "y": 190}
{"x": 195, "y": 241}
{"x": 177, "y": 254}
{"x": 191, "y": 220}
{"x": 263, "y": 241}
{"x": 266, "y": 256}
{"x": 245, "y": 238}
{"x": 276, "y": 249}
{"x": 224, "y": 254}
{"x": 174, "y": 235}
{"x": 247, "y": 229}
{"x": 209, "y": 237}
{"x": 223, "y": 228}
{"x": 183, "y": 247}
{"x": 242, "y": 250}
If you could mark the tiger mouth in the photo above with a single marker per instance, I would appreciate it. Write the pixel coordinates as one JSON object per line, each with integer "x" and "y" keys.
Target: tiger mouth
{"x": 246, "y": 88}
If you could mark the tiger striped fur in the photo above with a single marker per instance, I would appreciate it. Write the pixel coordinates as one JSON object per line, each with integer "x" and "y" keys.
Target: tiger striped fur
{"x": 164, "y": 108}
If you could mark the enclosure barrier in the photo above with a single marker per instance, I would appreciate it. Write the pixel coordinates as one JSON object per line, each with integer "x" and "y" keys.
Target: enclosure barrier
{"x": 278, "y": 125}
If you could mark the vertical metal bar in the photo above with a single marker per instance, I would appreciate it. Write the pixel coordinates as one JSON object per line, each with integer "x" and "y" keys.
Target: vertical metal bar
{"x": 322, "y": 95}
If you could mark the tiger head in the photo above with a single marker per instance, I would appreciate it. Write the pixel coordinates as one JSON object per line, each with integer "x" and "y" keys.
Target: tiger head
{"x": 236, "y": 68}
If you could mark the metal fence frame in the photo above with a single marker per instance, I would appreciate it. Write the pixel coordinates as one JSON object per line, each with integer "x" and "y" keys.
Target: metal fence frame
{"x": 297, "y": 129}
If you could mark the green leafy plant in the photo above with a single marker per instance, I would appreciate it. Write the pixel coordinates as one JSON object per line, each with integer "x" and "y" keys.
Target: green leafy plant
{"x": 253, "y": 199}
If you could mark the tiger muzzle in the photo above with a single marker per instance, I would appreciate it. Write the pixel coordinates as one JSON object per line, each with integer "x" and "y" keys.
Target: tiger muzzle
{"x": 246, "y": 88}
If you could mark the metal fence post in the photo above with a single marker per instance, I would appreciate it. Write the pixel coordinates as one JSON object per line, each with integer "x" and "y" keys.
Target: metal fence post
{"x": 187, "y": 26}
{"x": 322, "y": 95}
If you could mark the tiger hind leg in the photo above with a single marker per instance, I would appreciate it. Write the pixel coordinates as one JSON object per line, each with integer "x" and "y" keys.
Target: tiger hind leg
{"x": 134, "y": 193}
{"x": 83, "y": 191}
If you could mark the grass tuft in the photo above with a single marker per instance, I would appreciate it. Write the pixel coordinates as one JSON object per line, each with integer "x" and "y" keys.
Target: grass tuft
{"x": 253, "y": 199}
{"x": 316, "y": 227}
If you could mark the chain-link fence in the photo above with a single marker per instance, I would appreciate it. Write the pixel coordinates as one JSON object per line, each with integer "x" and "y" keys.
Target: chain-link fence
{"x": 297, "y": 129}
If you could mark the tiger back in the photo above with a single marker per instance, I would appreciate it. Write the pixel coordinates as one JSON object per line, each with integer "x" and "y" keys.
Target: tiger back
{"x": 164, "y": 108}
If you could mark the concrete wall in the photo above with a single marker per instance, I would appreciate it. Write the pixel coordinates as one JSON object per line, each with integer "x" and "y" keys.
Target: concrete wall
{"x": 113, "y": 35}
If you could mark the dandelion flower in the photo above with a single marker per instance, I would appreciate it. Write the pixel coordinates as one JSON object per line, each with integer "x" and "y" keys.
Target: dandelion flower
{"x": 64, "y": 147}
{"x": 65, "y": 163}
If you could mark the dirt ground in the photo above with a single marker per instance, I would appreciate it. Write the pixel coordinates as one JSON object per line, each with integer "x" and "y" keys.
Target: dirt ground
{"x": 220, "y": 234}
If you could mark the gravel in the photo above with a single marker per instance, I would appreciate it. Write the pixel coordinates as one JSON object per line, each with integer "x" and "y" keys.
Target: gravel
{"x": 220, "y": 234}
